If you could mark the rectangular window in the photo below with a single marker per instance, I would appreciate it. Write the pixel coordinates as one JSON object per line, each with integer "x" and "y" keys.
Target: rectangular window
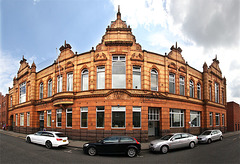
{"x": 222, "y": 97}
{"x": 49, "y": 118}
{"x": 21, "y": 119}
{"x": 136, "y": 117}
{"x": 59, "y": 118}
{"x": 28, "y": 118}
{"x": 136, "y": 77}
{"x": 69, "y": 117}
{"x": 16, "y": 120}
{"x": 101, "y": 77}
{"x": 50, "y": 88}
{"x": 84, "y": 117}
{"x": 153, "y": 114}
{"x": 41, "y": 91}
{"x": 223, "y": 120}
{"x": 41, "y": 116}
{"x": 195, "y": 119}
{"x": 11, "y": 101}
{"x": 210, "y": 93}
{"x": 211, "y": 118}
{"x": 172, "y": 83}
{"x": 176, "y": 118}
{"x": 216, "y": 92}
{"x": 84, "y": 80}
{"x": 22, "y": 97}
{"x": 59, "y": 83}
{"x": 182, "y": 85}
{"x": 118, "y": 72}
{"x": 70, "y": 82}
{"x": 154, "y": 80}
{"x": 118, "y": 117}
{"x": 100, "y": 117}
{"x": 217, "y": 119}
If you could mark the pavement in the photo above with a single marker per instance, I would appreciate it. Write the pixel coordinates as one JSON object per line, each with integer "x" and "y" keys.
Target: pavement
{"x": 79, "y": 144}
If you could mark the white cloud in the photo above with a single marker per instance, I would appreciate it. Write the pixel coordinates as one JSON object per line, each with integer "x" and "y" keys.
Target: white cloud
{"x": 35, "y": 2}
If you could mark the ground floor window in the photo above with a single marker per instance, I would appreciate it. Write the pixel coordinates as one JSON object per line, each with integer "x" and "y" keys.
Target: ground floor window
{"x": 16, "y": 120}
{"x": 118, "y": 117}
{"x": 84, "y": 117}
{"x": 100, "y": 117}
{"x": 217, "y": 119}
{"x": 49, "y": 118}
{"x": 176, "y": 118}
{"x": 153, "y": 114}
{"x": 59, "y": 117}
{"x": 69, "y": 117}
{"x": 195, "y": 119}
{"x": 211, "y": 118}
{"x": 28, "y": 118}
{"x": 223, "y": 121}
{"x": 21, "y": 119}
{"x": 136, "y": 117}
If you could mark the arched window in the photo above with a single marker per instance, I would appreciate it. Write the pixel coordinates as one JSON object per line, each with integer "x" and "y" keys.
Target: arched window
{"x": 59, "y": 83}
{"x": 154, "y": 80}
{"x": 84, "y": 80}
{"x": 41, "y": 91}
{"x": 70, "y": 81}
{"x": 172, "y": 83}
{"x": 216, "y": 92}
{"x": 199, "y": 91}
{"x": 191, "y": 88}
{"x": 182, "y": 85}
{"x": 49, "y": 87}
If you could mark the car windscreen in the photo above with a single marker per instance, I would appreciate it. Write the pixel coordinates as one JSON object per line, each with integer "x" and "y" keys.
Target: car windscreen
{"x": 167, "y": 137}
{"x": 206, "y": 133}
{"x": 60, "y": 135}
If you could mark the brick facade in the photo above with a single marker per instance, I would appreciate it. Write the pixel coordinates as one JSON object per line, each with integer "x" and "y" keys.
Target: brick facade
{"x": 3, "y": 111}
{"x": 154, "y": 105}
{"x": 233, "y": 116}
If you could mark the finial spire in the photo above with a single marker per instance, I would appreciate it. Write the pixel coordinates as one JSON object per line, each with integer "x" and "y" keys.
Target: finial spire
{"x": 119, "y": 8}
{"x": 119, "y": 14}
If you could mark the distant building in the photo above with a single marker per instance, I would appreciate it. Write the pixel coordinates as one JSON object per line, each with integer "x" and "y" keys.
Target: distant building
{"x": 3, "y": 111}
{"x": 118, "y": 89}
{"x": 233, "y": 116}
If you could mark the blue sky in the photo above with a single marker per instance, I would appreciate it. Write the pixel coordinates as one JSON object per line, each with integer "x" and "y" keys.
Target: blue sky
{"x": 35, "y": 28}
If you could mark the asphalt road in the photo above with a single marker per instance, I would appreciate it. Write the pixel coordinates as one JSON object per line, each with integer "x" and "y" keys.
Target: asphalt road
{"x": 16, "y": 150}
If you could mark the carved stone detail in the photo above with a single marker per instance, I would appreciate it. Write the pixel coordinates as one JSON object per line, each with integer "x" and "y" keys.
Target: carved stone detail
{"x": 100, "y": 57}
{"x": 137, "y": 57}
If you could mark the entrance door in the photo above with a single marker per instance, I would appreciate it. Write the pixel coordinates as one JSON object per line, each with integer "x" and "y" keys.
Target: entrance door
{"x": 153, "y": 121}
{"x": 41, "y": 119}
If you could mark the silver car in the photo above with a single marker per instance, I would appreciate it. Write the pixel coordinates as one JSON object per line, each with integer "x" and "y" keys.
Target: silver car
{"x": 173, "y": 141}
{"x": 210, "y": 135}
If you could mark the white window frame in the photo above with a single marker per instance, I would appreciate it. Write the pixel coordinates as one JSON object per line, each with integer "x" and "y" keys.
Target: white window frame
{"x": 16, "y": 119}
{"x": 84, "y": 110}
{"x": 85, "y": 72}
{"x": 28, "y": 118}
{"x": 198, "y": 90}
{"x": 41, "y": 91}
{"x": 58, "y": 111}
{"x": 137, "y": 110}
{"x": 118, "y": 58}
{"x": 49, "y": 121}
{"x": 68, "y": 111}
{"x": 100, "y": 109}
{"x": 10, "y": 101}
{"x": 137, "y": 74}
{"x": 153, "y": 114}
{"x": 180, "y": 113}
{"x": 216, "y": 93}
{"x": 70, "y": 81}
{"x": 211, "y": 118}
{"x": 223, "y": 120}
{"x": 21, "y": 119}
{"x": 198, "y": 116}
{"x": 101, "y": 82}
{"x": 172, "y": 81}
{"x": 154, "y": 73}
{"x": 191, "y": 87}
{"x": 182, "y": 85}
{"x": 22, "y": 92}
{"x": 217, "y": 121}
{"x": 118, "y": 109}
{"x": 49, "y": 87}
{"x": 59, "y": 83}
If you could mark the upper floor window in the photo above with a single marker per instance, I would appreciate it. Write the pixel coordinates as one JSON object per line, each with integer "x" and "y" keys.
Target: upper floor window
{"x": 171, "y": 83}
{"x": 85, "y": 80}
{"x": 191, "y": 88}
{"x": 101, "y": 77}
{"x": 22, "y": 97}
{"x": 222, "y": 97}
{"x": 50, "y": 88}
{"x": 182, "y": 85}
{"x": 210, "y": 93}
{"x": 154, "y": 80}
{"x": 70, "y": 81}
{"x": 59, "y": 83}
{"x": 118, "y": 72}
{"x": 216, "y": 92}
{"x": 199, "y": 91}
{"x": 136, "y": 77}
{"x": 10, "y": 101}
{"x": 41, "y": 91}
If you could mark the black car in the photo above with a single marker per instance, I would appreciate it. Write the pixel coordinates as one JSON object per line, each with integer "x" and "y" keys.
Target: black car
{"x": 114, "y": 145}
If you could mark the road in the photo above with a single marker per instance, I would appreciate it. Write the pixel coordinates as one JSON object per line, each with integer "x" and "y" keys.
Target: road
{"x": 16, "y": 150}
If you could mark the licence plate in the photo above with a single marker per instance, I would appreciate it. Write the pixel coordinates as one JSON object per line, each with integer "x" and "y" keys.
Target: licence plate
{"x": 64, "y": 140}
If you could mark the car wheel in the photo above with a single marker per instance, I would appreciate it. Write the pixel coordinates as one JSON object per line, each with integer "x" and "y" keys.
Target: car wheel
{"x": 221, "y": 138}
{"x": 92, "y": 151}
{"x": 48, "y": 144}
{"x": 28, "y": 140}
{"x": 192, "y": 145}
{"x": 132, "y": 152}
{"x": 164, "y": 149}
{"x": 209, "y": 141}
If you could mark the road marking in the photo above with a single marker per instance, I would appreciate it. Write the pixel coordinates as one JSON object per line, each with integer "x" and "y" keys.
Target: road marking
{"x": 68, "y": 151}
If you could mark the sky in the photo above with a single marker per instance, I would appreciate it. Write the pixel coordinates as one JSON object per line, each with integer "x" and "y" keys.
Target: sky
{"x": 202, "y": 28}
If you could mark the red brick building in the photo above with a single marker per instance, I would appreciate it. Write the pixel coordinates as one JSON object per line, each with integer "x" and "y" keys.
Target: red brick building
{"x": 118, "y": 88}
{"x": 3, "y": 110}
{"x": 233, "y": 116}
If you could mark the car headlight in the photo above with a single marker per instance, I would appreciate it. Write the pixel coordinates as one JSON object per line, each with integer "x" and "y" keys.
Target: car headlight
{"x": 85, "y": 145}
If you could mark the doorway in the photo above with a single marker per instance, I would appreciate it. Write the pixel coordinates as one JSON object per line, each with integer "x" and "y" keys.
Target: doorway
{"x": 153, "y": 121}
{"x": 41, "y": 121}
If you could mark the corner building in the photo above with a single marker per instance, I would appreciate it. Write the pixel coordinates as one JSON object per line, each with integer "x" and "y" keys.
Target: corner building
{"x": 118, "y": 89}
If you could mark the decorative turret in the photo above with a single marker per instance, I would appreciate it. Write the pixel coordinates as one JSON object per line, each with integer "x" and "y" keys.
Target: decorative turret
{"x": 175, "y": 54}
{"x": 65, "y": 46}
{"x": 205, "y": 67}
{"x": 33, "y": 67}
{"x": 119, "y": 14}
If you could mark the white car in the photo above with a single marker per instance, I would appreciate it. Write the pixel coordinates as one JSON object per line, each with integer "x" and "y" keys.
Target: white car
{"x": 210, "y": 135}
{"x": 173, "y": 141}
{"x": 48, "y": 138}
